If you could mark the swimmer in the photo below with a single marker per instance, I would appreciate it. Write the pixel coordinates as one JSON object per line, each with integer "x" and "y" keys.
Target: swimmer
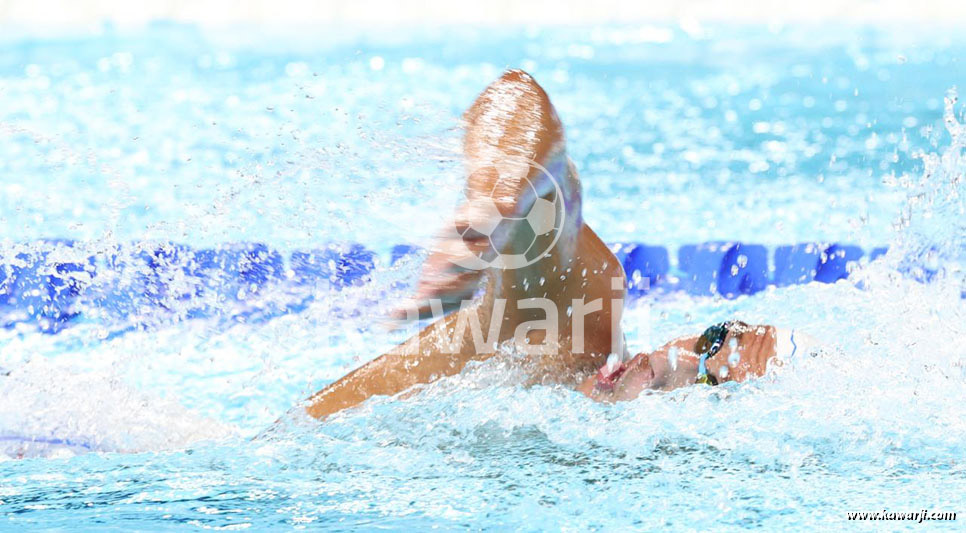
{"x": 513, "y": 121}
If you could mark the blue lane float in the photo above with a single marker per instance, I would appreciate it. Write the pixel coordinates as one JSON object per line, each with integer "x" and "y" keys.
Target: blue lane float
{"x": 796, "y": 264}
{"x": 141, "y": 279}
{"x": 53, "y": 283}
{"x": 340, "y": 266}
{"x": 743, "y": 270}
{"x": 699, "y": 266}
{"x": 239, "y": 271}
{"x": 645, "y": 266}
{"x": 401, "y": 251}
{"x": 41, "y": 285}
{"x": 835, "y": 261}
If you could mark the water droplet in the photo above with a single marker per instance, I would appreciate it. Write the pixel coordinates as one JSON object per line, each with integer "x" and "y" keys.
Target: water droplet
{"x": 672, "y": 357}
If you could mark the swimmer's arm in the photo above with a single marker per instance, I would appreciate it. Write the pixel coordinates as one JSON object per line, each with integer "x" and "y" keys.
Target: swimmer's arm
{"x": 389, "y": 374}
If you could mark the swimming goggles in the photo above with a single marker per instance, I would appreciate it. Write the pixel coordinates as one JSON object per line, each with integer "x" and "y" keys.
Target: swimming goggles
{"x": 707, "y": 346}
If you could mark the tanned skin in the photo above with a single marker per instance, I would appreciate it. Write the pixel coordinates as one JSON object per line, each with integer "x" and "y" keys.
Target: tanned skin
{"x": 510, "y": 123}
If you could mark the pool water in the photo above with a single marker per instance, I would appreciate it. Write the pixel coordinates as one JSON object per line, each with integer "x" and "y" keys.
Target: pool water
{"x": 121, "y": 141}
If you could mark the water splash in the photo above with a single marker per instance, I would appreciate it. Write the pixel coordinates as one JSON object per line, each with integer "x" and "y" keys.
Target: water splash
{"x": 931, "y": 230}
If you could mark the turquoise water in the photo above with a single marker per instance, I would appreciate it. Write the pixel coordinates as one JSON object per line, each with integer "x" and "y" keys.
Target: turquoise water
{"x": 202, "y": 137}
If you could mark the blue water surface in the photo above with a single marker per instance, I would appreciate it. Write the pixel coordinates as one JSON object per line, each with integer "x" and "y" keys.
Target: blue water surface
{"x": 122, "y": 141}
